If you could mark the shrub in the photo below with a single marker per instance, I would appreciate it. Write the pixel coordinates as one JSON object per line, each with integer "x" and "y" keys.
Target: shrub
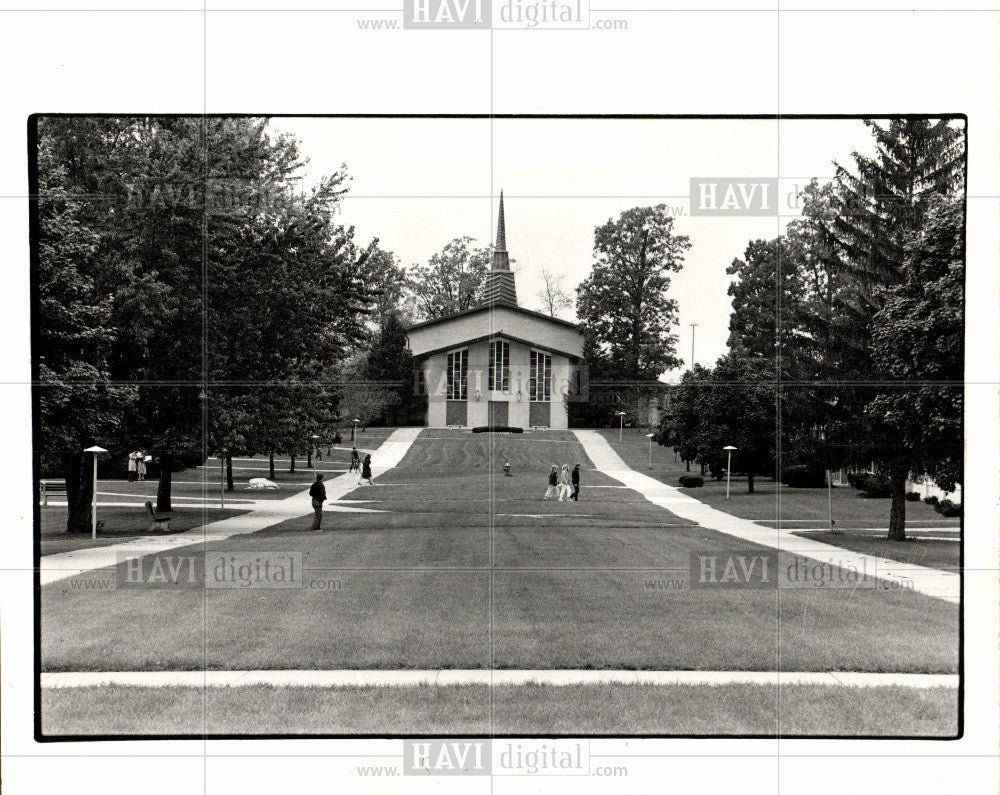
{"x": 948, "y": 508}
{"x": 932, "y": 500}
{"x": 874, "y": 486}
{"x": 497, "y": 429}
{"x": 691, "y": 481}
{"x": 912, "y": 496}
{"x": 854, "y": 479}
{"x": 803, "y": 476}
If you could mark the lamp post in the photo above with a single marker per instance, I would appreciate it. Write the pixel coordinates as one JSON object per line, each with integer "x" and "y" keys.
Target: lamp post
{"x": 312, "y": 446}
{"x": 729, "y": 465}
{"x": 93, "y": 497}
{"x": 650, "y": 437}
{"x": 621, "y": 423}
{"x": 693, "y": 327}
{"x": 354, "y": 429}
{"x": 222, "y": 479}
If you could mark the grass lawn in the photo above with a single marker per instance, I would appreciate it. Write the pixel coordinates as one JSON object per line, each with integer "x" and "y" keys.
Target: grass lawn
{"x": 796, "y": 509}
{"x": 526, "y": 709}
{"x": 940, "y": 552}
{"x": 121, "y": 523}
{"x": 467, "y": 569}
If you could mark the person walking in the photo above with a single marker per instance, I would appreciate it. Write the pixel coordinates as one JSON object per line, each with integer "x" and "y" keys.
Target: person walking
{"x": 565, "y": 484}
{"x": 575, "y": 477}
{"x": 140, "y": 466}
{"x": 318, "y": 493}
{"x": 133, "y": 467}
{"x": 366, "y": 470}
{"x": 355, "y": 460}
{"x": 553, "y": 488}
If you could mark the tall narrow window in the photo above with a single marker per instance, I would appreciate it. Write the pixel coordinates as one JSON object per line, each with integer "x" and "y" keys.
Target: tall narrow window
{"x": 499, "y": 366}
{"x": 540, "y": 377}
{"x": 458, "y": 375}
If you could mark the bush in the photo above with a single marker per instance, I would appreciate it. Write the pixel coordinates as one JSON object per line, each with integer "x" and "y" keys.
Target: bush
{"x": 803, "y": 476}
{"x": 873, "y": 486}
{"x": 912, "y": 496}
{"x": 932, "y": 500}
{"x": 691, "y": 481}
{"x": 497, "y": 429}
{"x": 948, "y": 508}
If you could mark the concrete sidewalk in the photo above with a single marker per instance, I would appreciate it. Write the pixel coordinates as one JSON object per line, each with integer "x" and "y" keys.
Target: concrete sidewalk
{"x": 482, "y": 676}
{"x": 265, "y": 513}
{"x": 897, "y": 576}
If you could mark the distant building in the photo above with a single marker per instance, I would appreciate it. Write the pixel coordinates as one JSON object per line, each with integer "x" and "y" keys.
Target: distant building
{"x": 497, "y": 363}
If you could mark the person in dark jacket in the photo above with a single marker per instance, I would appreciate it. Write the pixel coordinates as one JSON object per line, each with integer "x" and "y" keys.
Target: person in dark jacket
{"x": 576, "y": 482}
{"x": 553, "y": 488}
{"x": 366, "y": 470}
{"x": 318, "y": 493}
{"x": 355, "y": 461}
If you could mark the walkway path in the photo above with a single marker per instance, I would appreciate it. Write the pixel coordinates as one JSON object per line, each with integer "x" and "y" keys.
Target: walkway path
{"x": 265, "y": 513}
{"x": 932, "y": 582}
{"x": 484, "y": 676}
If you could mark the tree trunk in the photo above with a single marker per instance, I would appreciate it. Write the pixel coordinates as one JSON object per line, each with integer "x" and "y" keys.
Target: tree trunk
{"x": 271, "y": 463}
{"x": 749, "y": 482}
{"x": 291, "y": 467}
{"x": 703, "y": 470}
{"x": 79, "y": 492}
{"x": 687, "y": 463}
{"x": 309, "y": 458}
{"x": 897, "y": 513}
{"x": 163, "y": 488}
{"x": 229, "y": 473}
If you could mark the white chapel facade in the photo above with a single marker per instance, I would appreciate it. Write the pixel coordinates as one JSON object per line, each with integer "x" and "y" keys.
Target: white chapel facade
{"x": 497, "y": 363}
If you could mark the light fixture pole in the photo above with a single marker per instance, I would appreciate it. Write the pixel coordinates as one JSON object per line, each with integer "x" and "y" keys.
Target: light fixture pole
{"x": 650, "y": 437}
{"x": 93, "y": 497}
{"x": 693, "y": 327}
{"x": 222, "y": 478}
{"x": 354, "y": 429}
{"x": 729, "y": 465}
{"x": 621, "y": 424}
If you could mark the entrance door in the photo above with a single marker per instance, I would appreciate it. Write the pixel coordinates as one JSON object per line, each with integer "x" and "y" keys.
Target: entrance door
{"x": 456, "y": 412}
{"x": 540, "y": 414}
{"x": 499, "y": 412}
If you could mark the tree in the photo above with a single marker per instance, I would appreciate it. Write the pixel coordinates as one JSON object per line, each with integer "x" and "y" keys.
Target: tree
{"x": 879, "y": 210}
{"x": 623, "y": 306}
{"x": 78, "y": 404}
{"x": 917, "y": 340}
{"x": 555, "y": 300}
{"x": 451, "y": 281}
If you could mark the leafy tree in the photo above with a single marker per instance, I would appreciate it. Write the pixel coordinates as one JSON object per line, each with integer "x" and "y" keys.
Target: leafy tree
{"x": 917, "y": 339}
{"x": 624, "y": 307}
{"x": 78, "y": 404}
{"x": 451, "y": 281}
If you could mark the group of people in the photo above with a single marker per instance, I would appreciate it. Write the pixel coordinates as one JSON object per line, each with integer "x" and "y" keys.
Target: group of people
{"x": 137, "y": 465}
{"x": 564, "y": 484}
{"x": 317, "y": 492}
{"x": 362, "y": 466}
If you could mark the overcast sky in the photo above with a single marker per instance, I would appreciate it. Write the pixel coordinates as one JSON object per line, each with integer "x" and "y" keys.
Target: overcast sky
{"x": 418, "y": 183}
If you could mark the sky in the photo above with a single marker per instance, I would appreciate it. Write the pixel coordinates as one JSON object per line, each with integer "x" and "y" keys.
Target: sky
{"x": 418, "y": 183}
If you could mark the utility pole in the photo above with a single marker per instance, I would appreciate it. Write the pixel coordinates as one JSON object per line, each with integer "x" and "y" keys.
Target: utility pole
{"x": 693, "y": 327}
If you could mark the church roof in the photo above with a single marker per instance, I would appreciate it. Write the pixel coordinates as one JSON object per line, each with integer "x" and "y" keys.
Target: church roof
{"x": 487, "y": 308}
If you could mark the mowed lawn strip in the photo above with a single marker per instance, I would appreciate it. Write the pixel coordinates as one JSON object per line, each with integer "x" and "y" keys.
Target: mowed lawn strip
{"x": 738, "y": 709}
{"x": 124, "y": 523}
{"x": 602, "y": 583}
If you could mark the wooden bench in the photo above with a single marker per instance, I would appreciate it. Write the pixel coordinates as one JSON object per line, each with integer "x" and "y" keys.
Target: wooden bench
{"x": 159, "y": 522}
{"x": 51, "y": 487}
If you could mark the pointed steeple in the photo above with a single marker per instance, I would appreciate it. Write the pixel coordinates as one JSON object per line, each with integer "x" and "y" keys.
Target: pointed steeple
{"x": 500, "y": 260}
{"x": 499, "y": 287}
